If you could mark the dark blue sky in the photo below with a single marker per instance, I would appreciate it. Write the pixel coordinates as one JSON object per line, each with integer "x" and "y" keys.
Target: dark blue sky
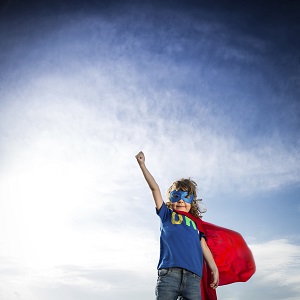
{"x": 264, "y": 63}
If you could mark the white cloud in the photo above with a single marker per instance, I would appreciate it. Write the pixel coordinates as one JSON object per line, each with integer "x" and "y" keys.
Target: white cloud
{"x": 88, "y": 118}
{"x": 278, "y": 261}
{"x": 99, "y": 263}
{"x": 108, "y": 96}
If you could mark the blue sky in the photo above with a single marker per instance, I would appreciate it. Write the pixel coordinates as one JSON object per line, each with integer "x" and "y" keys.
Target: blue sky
{"x": 207, "y": 90}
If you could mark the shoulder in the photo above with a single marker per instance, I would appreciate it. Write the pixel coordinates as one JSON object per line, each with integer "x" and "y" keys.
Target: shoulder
{"x": 164, "y": 211}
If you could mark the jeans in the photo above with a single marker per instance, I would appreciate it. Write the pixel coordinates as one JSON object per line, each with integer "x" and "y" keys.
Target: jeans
{"x": 175, "y": 282}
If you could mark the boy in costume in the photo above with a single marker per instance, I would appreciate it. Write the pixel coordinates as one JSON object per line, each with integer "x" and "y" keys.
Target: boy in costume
{"x": 193, "y": 252}
{"x": 182, "y": 245}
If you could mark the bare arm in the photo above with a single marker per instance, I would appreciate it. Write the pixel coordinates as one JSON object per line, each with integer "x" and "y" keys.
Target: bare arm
{"x": 140, "y": 157}
{"x": 211, "y": 263}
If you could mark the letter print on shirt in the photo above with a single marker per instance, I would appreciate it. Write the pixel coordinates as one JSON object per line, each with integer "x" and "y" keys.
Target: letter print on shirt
{"x": 178, "y": 219}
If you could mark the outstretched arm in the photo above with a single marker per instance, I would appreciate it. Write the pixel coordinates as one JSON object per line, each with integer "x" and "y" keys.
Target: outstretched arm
{"x": 211, "y": 263}
{"x": 140, "y": 157}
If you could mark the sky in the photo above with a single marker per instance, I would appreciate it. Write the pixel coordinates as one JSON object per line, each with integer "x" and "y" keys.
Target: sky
{"x": 206, "y": 89}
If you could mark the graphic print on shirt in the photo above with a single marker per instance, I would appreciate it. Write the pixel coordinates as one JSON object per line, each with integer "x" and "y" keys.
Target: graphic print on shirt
{"x": 178, "y": 219}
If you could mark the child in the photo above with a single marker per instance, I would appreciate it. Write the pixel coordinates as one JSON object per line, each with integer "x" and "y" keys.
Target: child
{"x": 182, "y": 246}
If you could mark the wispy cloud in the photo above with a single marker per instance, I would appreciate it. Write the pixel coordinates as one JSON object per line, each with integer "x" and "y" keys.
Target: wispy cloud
{"x": 115, "y": 93}
{"x": 105, "y": 129}
{"x": 279, "y": 262}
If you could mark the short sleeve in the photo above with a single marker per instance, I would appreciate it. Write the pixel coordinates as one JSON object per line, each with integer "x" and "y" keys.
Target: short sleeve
{"x": 202, "y": 235}
{"x": 163, "y": 212}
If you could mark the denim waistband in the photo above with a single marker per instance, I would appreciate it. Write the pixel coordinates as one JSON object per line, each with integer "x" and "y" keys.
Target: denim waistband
{"x": 176, "y": 269}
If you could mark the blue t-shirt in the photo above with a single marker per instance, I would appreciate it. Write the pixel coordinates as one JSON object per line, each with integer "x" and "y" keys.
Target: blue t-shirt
{"x": 179, "y": 242}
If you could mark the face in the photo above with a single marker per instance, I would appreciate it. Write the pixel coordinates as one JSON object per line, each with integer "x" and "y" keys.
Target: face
{"x": 181, "y": 206}
{"x": 181, "y": 201}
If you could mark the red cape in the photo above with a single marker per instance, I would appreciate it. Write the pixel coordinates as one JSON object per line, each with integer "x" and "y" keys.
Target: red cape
{"x": 232, "y": 256}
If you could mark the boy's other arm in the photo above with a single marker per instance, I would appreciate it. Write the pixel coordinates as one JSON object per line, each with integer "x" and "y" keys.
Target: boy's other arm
{"x": 211, "y": 263}
{"x": 140, "y": 157}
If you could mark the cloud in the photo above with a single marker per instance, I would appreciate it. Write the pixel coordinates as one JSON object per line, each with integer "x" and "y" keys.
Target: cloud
{"x": 89, "y": 264}
{"x": 102, "y": 126}
{"x": 279, "y": 261}
{"x": 82, "y": 282}
{"x": 113, "y": 90}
